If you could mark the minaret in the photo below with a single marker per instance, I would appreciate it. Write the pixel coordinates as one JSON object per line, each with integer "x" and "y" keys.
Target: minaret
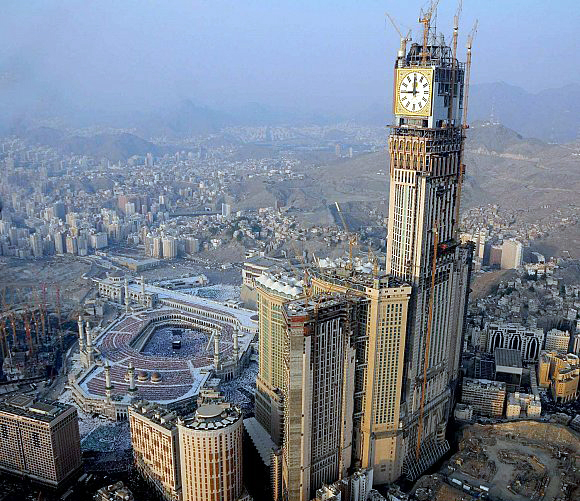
{"x": 126, "y": 295}
{"x": 81, "y": 334}
{"x": 131, "y": 371}
{"x": 143, "y": 286}
{"x": 108, "y": 385}
{"x": 216, "y": 349}
{"x": 89, "y": 343}
{"x": 236, "y": 345}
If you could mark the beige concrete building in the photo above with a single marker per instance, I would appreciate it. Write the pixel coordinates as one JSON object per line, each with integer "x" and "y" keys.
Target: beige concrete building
{"x": 154, "y": 436}
{"x": 273, "y": 292}
{"x": 40, "y": 439}
{"x": 511, "y": 254}
{"x": 557, "y": 341}
{"x": 561, "y": 373}
{"x": 487, "y": 398}
{"x": 523, "y": 403}
{"x": 210, "y": 445}
{"x": 378, "y": 438}
{"x": 319, "y": 359}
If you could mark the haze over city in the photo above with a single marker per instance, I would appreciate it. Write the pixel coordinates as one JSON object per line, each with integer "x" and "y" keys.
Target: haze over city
{"x": 326, "y": 57}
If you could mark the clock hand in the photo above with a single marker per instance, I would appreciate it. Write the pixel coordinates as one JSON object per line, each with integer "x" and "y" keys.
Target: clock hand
{"x": 414, "y": 84}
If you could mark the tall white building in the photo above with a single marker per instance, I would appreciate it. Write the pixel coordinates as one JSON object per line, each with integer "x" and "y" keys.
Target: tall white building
{"x": 511, "y": 254}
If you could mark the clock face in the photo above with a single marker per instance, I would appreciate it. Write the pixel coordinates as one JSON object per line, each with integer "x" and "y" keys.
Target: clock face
{"x": 414, "y": 92}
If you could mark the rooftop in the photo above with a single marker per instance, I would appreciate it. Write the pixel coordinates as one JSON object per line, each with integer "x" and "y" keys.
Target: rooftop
{"x": 359, "y": 280}
{"x": 40, "y": 410}
{"x": 212, "y": 417}
{"x": 483, "y": 383}
{"x": 508, "y": 358}
{"x": 155, "y": 413}
{"x": 285, "y": 285}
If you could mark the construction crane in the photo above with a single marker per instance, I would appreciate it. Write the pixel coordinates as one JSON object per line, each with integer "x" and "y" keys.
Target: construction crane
{"x": 454, "y": 61}
{"x": 28, "y": 333}
{"x": 470, "y": 39}
{"x": 4, "y": 340}
{"x": 464, "y": 124}
{"x": 428, "y": 338}
{"x": 425, "y": 19}
{"x": 352, "y": 241}
{"x": 352, "y": 237}
{"x": 306, "y": 285}
{"x": 58, "y": 318}
{"x": 404, "y": 39}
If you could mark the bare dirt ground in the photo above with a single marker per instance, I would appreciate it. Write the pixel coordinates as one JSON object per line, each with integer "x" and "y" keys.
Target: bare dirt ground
{"x": 533, "y": 460}
{"x": 483, "y": 283}
{"x": 24, "y": 280}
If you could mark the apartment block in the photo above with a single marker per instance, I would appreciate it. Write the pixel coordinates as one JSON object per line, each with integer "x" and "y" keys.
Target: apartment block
{"x": 40, "y": 439}
{"x": 154, "y": 436}
{"x": 487, "y": 398}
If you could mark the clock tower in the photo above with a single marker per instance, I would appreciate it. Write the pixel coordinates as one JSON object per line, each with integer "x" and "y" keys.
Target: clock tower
{"x": 425, "y": 152}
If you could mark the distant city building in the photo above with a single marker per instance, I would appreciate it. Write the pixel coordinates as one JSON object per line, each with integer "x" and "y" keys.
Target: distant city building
{"x": 59, "y": 245}
{"x": 561, "y": 373}
{"x": 527, "y": 340}
{"x": 40, "y": 439}
{"x": 522, "y": 403}
{"x": 98, "y": 240}
{"x": 495, "y": 256}
{"x": 511, "y": 254}
{"x": 115, "y": 492}
{"x": 463, "y": 412}
{"x": 169, "y": 248}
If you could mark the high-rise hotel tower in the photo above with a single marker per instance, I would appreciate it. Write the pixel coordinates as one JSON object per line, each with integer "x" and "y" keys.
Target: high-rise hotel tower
{"x": 426, "y": 147}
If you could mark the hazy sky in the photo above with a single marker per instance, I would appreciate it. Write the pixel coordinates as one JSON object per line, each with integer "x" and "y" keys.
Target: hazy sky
{"x": 315, "y": 54}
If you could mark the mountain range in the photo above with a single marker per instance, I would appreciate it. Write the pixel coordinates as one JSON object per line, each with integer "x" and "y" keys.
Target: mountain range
{"x": 552, "y": 115}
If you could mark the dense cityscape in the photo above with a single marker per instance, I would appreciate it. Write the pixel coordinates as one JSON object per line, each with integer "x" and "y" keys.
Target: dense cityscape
{"x": 289, "y": 312}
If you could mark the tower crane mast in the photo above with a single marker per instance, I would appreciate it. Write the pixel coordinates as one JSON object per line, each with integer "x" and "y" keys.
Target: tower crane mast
{"x": 425, "y": 19}
{"x": 464, "y": 124}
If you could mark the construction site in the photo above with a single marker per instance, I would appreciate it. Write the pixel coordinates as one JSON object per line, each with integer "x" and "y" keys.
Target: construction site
{"x": 519, "y": 461}
{"x": 33, "y": 336}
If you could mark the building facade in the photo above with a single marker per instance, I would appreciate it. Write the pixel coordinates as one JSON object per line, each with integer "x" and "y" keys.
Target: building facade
{"x": 40, "y": 439}
{"x": 155, "y": 441}
{"x": 557, "y": 341}
{"x": 319, "y": 360}
{"x": 486, "y": 398}
{"x": 210, "y": 445}
{"x": 273, "y": 292}
{"x": 561, "y": 373}
{"x": 527, "y": 340}
{"x": 380, "y": 344}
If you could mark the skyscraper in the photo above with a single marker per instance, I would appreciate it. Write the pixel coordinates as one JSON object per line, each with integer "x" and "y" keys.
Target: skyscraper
{"x": 273, "y": 292}
{"x": 319, "y": 360}
{"x": 426, "y": 149}
{"x": 379, "y": 337}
